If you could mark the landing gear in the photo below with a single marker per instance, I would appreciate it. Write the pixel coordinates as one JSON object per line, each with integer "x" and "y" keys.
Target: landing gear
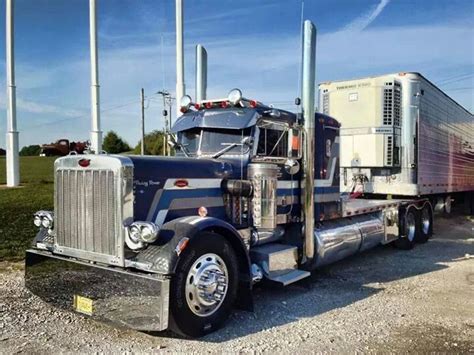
{"x": 204, "y": 287}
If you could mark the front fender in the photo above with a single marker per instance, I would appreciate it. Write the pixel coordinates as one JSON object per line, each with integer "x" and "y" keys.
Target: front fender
{"x": 164, "y": 258}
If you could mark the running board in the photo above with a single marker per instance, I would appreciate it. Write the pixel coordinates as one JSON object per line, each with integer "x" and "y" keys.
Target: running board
{"x": 289, "y": 278}
{"x": 279, "y": 262}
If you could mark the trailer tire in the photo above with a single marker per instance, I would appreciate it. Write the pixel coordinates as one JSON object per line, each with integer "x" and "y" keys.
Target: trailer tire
{"x": 410, "y": 230}
{"x": 425, "y": 224}
{"x": 204, "y": 287}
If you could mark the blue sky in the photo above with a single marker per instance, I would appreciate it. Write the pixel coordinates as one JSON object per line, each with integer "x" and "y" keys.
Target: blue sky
{"x": 253, "y": 45}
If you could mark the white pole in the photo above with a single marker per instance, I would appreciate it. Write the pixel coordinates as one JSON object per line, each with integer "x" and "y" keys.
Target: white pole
{"x": 201, "y": 73}
{"x": 180, "y": 88}
{"x": 13, "y": 169}
{"x": 96, "y": 133}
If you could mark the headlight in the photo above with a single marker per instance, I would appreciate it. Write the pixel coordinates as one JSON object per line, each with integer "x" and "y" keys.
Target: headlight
{"x": 44, "y": 219}
{"x": 141, "y": 233}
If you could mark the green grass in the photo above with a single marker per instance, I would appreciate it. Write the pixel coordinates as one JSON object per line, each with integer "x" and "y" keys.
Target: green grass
{"x": 17, "y": 205}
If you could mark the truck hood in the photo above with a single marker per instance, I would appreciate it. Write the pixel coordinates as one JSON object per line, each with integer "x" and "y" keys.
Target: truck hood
{"x": 171, "y": 185}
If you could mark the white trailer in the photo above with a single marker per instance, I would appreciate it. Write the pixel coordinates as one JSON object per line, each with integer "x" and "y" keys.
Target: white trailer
{"x": 401, "y": 135}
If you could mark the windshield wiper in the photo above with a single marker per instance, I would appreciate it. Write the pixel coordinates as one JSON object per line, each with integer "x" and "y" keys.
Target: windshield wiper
{"x": 245, "y": 141}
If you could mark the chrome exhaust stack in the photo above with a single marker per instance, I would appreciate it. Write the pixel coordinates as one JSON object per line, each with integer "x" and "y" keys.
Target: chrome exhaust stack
{"x": 201, "y": 73}
{"x": 308, "y": 101}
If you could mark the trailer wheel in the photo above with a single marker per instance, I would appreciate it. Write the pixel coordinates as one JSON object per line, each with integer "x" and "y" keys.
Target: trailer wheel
{"x": 204, "y": 287}
{"x": 426, "y": 224}
{"x": 409, "y": 231}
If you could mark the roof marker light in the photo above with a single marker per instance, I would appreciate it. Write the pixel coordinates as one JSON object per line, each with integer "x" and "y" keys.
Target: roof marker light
{"x": 234, "y": 97}
{"x": 208, "y": 104}
{"x": 253, "y": 103}
{"x": 224, "y": 104}
{"x": 197, "y": 106}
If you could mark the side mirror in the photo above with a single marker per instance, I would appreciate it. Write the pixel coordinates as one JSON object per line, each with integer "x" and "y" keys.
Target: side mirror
{"x": 292, "y": 166}
{"x": 172, "y": 141}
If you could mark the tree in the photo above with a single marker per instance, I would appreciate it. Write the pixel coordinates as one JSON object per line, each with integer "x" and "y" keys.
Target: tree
{"x": 114, "y": 144}
{"x": 30, "y": 150}
{"x": 153, "y": 144}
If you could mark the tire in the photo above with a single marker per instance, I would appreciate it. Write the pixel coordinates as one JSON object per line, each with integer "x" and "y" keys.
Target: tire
{"x": 195, "y": 312}
{"x": 425, "y": 230}
{"x": 409, "y": 230}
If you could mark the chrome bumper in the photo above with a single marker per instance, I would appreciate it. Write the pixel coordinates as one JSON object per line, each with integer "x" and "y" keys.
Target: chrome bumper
{"x": 132, "y": 299}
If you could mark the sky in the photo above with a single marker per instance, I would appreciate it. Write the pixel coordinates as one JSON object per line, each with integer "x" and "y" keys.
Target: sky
{"x": 253, "y": 45}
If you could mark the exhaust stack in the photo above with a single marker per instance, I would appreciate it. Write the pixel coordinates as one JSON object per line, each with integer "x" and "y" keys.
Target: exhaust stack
{"x": 308, "y": 92}
{"x": 96, "y": 133}
{"x": 201, "y": 73}
{"x": 180, "y": 88}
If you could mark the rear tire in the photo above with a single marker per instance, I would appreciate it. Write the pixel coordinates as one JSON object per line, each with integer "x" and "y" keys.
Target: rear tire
{"x": 204, "y": 287}
{"x": 425, "y": 224}
{"x": 409, "y": 230}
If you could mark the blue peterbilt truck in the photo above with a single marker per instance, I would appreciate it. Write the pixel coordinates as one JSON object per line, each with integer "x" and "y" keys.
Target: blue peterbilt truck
{"x": 176, "y": 242}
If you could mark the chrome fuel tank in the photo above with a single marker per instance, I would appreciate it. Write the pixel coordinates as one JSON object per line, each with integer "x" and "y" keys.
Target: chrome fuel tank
{"x": 336, "y": 240}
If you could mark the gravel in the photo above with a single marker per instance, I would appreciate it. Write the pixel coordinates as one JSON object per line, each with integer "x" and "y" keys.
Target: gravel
{"x": 384, "y": 300}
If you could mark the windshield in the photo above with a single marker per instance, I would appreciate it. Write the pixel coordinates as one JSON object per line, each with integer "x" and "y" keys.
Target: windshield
{"x": 210, "y": 141}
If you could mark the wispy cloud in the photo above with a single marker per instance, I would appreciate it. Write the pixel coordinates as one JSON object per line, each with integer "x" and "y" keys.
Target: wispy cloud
{"x": 363, "y": 21}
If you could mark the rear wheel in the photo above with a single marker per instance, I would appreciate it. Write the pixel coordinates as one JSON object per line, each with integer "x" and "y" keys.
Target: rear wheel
{"x": 409, "y": 230}
{"x": 425, "y": 224}
{"x": 204, "y": 286}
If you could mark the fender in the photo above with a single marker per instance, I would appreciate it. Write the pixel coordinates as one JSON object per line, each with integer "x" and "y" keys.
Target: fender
{"x": 165, "y": 257}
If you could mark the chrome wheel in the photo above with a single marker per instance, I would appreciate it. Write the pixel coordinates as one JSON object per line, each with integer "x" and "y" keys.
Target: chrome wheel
{"x": 411, "y": 226}
{"x": 425, "y": 221}
{"x": 206, "y": 284}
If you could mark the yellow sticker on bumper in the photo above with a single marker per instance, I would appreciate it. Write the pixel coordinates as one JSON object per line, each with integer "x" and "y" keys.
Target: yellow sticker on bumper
{"x": 83, "y": 304}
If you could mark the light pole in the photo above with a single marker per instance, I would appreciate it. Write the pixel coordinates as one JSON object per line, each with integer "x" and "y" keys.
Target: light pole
{"x": 13, "y": 168}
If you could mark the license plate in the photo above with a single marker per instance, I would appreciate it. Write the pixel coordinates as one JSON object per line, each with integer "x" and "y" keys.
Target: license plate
{"x": 83, "y": 304}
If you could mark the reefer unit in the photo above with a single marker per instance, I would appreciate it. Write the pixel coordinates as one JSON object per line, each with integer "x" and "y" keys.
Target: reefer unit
{"x": 401, "y": 135}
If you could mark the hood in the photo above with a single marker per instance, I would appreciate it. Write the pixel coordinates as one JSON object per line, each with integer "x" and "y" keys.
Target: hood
{"x": 156, "y": 189}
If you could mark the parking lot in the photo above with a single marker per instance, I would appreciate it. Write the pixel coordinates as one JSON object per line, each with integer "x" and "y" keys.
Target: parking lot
{"x": 381, "y": 300}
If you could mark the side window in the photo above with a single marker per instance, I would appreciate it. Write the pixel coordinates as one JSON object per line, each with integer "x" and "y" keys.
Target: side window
{"x": 272, "y": 143}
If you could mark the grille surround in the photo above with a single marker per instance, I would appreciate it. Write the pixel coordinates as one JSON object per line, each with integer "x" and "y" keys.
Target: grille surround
{"x": 92, "y": 207}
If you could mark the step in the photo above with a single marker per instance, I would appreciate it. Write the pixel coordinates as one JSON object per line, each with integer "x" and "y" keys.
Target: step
{"x": 291, "y": 277}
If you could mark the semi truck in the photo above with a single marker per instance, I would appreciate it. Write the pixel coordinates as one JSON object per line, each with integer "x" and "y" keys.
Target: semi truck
{"x": 253, "y": 193}
{"x": 402, "y": 136}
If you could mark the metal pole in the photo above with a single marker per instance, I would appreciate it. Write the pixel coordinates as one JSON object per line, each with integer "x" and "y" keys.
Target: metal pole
{"x": 180, "y": 87}
{"x": 142, "y": 92}
{"x": 308, "y": 91}
{"x": 13, "y": 168}
{"x": 96, "y": 133}
{"x": 201, "y": 73}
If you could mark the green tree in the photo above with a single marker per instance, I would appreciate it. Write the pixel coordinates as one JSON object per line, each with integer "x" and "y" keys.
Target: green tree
{"x": 153, "y": 144}
{"x": 114, "y": 144}
{"x": 30, "y": 150}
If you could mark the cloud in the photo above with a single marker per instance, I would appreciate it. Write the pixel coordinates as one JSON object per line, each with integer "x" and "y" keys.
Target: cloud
{"x": 363, "y": 21}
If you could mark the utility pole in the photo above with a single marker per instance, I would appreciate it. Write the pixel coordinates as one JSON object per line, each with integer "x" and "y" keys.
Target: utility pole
{"x": 13, "y": 168}
{"x": 143, "y": 121}
{"x": 180, "y": 87}
{"x": 96, "y": 133}
{"x": 165, "y": 94}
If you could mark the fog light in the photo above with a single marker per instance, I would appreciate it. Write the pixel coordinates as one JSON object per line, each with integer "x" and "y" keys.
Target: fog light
{"x": 44, "y": 219}
{"x": 141, "y": 233}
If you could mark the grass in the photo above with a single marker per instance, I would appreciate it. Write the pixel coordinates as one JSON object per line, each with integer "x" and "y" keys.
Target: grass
{"x": 17, "y": 205}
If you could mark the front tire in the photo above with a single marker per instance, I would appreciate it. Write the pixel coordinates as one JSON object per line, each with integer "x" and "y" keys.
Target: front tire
{"x": 204, "y": 287}
{"x": 410, "y": 230}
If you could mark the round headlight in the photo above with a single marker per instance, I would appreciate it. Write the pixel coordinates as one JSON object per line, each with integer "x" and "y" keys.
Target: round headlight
{"x": 234, "y": 97}
{"x": 37, "y": 221}
{"x": 185, "y": 102}
{"x": 46, "y": 222}
{"x": 135, "y": 233}
{"x": 148, "y": 234}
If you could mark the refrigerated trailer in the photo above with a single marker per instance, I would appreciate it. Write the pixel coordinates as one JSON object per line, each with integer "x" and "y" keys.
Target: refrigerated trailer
{"x": 402, "y": 136}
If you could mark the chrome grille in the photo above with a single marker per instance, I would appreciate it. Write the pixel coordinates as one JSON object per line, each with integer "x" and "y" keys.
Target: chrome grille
{"x": 86, "y": 208}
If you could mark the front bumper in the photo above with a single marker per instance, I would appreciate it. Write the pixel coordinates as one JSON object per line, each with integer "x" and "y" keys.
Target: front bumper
{"x": 132, "y": 299}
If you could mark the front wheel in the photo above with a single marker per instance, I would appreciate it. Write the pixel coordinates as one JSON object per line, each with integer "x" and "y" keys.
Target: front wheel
{"x": 204, "y": 286}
